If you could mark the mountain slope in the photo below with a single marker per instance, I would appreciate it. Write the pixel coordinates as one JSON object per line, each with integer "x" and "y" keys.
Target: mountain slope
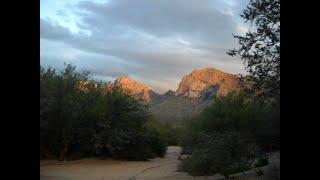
{"x": 177, "y": 107}
{"x": 139, "y": 90}
{"x": 200, "y": 81}
{"x": 195, "y": 92}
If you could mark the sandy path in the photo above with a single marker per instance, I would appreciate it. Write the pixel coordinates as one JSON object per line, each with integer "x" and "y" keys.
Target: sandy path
{"x": 95, "y": 169}
{"x": 158, "y": 168}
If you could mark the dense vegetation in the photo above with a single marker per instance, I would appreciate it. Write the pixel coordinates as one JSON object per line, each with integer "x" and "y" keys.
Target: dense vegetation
{"x": 175, "y": 108}
{"x": 229, "y": 135}
{"x": 238, "y": 129}
{"x": 260, "y": 48}
{"x": 80, "y": 117}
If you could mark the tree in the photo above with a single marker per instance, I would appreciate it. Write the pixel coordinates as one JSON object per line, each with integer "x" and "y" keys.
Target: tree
{"x": 217, "y": 153}
{"x": 121, "y": 121}
{"x": 59, "y": 103}
{"x": 81, "y": 117}
{"x": 260, "y": 49}
{"x": 229, "y": 134}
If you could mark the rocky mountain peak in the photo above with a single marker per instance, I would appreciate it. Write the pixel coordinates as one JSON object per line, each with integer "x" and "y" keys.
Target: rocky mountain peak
{"x": 206, "y": 80}
{"x": 137, "y": 89}
{"x": 195, "y": 92}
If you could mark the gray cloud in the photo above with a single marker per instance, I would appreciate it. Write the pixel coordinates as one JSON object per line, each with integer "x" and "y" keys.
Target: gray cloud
{"x": 156, "y": 42}
{"x": 48, "y": 30}
{"x": 200, "y": 21}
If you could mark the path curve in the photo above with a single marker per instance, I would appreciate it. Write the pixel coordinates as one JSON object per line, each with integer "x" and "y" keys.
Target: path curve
{"x": 94, "y": 169}
{"x": 155, "y": 169}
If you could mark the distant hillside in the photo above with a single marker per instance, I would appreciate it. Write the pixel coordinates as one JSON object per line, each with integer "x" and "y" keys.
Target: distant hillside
{"x": 176, "y": 107}
{"x": 195, "y": 92}
{"x": 138, "y": 89}
{"x": 199, "y": 82}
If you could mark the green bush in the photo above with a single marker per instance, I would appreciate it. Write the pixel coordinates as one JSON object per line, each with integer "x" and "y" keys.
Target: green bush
{"x": 227, "y": 136}
{"x": 235, "y": 168}
{"x": 259, "y": 172}
{"x": 268, "y": 135}
{"x": 198, "y": 164}
{"x": 217, "y": 153}
{"x": 169, "y": 131}
{"x": 192, "y": 135}
{"x": 234, "y": 112}
{"x": 84, "y": 118}
{"x": 262, "y": 160}
{"x": 242, "y": 166}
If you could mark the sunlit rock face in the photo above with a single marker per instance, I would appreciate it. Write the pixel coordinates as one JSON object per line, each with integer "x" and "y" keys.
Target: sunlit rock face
{"x": 202, "y": 81}
{"x": 139, "y": 90}
{"x": 195, "y": 92}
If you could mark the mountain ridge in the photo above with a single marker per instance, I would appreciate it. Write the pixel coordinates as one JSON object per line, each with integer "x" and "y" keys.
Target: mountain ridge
{"x": 195, "y": 92}
{"x": 193, "y": 84}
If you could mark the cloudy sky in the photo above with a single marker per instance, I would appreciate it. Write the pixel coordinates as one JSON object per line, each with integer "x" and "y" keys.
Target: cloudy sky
{"x": 155, "y": 42}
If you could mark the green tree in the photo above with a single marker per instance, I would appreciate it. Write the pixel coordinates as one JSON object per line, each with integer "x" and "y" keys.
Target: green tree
{"x": 122, "y": 119}
{"x": 58, "y": 107}
{"x": 229, "y": 134}
{"x": 260, "y": 49}
{"x": 234, "y": 112}
{"x": 82, "y": 117}
{"x": 217, "y": 153}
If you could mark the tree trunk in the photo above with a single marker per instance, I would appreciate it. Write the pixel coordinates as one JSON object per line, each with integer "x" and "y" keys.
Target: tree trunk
{"x": 63, "y": 152}
{"x": 64, "y": 149}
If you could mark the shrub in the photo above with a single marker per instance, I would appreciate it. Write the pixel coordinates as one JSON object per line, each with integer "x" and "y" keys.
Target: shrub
{"x": 259, "y": 172}
{"x": 81, "y": 117}
{"x": 275, "y": 172}
{"x": 235, "y": 168}
{"x": 218, "y": 153}
{"x": 234, "y": 112}
{"x": 227, "y": 136}
{"x": 169, "y": 131}
{"x": 262, "y": 160}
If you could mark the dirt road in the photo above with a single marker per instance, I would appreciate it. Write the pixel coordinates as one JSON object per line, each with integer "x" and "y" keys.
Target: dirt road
{"x": 155, "y": 169}
{"x": 95, "y": 169}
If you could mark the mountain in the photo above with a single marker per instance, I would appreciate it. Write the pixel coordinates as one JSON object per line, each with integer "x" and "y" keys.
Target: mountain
{"x": 195, "y": 92}
{"x": 176, "y": 107}
{"x": 203, "y": 81}
{"x": 139, "y": 90}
